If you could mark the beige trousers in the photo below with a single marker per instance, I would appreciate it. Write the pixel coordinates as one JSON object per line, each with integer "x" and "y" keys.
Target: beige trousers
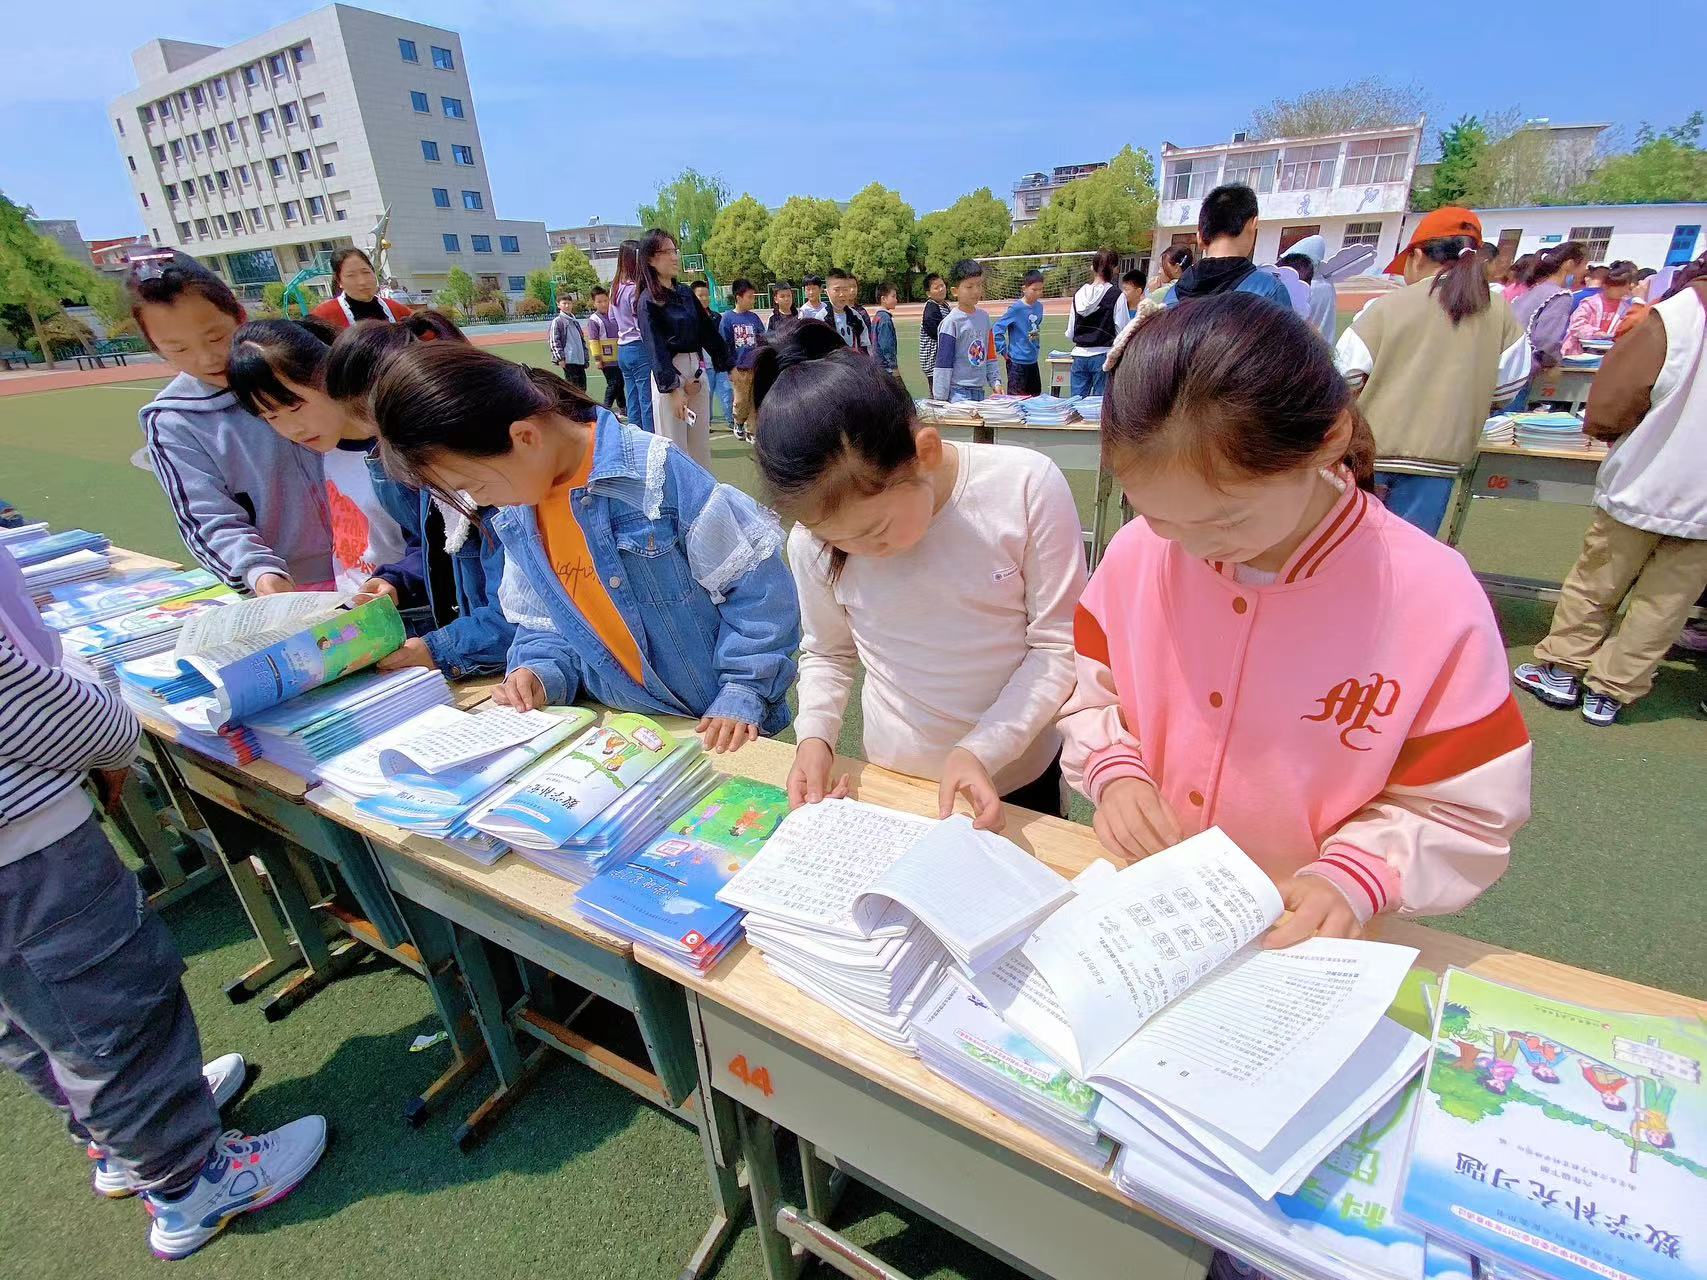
{"x": 695, "y": 441}
{"x": 1662, "y": 577}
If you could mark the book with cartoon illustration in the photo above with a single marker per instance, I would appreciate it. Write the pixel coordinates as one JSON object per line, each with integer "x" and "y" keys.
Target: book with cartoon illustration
{"x": 261, "y": 652}
{"x": 86, "y": 602}
{"x": 1561, "y": 1140}
{"x": 666, "y": 895}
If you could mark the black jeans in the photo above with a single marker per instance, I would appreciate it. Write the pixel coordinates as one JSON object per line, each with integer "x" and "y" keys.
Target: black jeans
{"x": 1024, "y": 379}
{"x": 615, "y": 401}
{"x": 1045, "y": 793}
{"x": 575, "y": 375}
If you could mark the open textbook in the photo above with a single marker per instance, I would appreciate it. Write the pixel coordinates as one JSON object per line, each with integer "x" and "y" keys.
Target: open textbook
{"x": 261, "y": 652}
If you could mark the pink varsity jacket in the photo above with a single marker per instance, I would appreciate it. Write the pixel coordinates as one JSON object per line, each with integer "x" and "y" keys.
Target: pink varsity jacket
{"x": 1353, "y": 720}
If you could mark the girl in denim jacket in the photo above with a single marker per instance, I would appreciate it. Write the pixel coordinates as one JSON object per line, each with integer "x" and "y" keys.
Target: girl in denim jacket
{"x": 633, "y": 577}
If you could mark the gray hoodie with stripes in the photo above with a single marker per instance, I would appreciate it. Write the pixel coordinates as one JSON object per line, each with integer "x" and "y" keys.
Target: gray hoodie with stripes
{"x": 247, "y": 501}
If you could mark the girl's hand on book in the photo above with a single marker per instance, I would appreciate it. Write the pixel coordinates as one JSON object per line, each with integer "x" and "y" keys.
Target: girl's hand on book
{"x": 1318, "y": 910}
{"x": 522, "y": 690}
{"x": 1134, "y": 820}
{"x": 809, "y": 776}
{"x": 723, "y": 733}
{"x": 414, "y": 653}
{"x": 963, "y": 771}
{"x": 378, "y": 587}
{"x": 273, "y": 584}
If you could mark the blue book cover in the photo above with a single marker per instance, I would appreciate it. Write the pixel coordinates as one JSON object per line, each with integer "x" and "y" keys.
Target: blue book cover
{"x": 39, "y": 550}
{"x": 84, "y": 602}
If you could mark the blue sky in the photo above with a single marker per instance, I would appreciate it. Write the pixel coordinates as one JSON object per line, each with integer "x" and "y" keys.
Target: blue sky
{"x": 782, "y": 97}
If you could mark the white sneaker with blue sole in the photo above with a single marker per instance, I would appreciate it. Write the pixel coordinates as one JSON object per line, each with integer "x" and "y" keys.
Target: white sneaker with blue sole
{"x": 241, "y": 1174}
{"x": 225, "y": 1076}
{"x": 1553, "y": 685}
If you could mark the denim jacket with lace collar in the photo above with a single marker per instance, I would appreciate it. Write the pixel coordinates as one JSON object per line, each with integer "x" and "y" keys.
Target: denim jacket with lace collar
{"x": 693, "y": 566}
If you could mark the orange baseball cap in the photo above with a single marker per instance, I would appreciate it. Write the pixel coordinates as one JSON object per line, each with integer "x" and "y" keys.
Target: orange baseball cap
{"x": 1449, "y": 220}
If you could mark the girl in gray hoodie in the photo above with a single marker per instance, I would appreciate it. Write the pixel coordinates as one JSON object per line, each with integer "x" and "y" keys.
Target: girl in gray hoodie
{"x": 251, "y": 506}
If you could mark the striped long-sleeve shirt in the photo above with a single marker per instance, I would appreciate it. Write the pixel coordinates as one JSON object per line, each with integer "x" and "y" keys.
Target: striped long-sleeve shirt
{"x": 57, "y": 729}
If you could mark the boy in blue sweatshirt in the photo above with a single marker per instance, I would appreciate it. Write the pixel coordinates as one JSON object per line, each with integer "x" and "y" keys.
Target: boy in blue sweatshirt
{"x": 885, "y": 345}
{"x": 965, "y": 341}
{"x": 1019, "y": 331}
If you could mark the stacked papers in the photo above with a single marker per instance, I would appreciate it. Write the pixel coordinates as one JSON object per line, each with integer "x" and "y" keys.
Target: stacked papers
{"x": 1499, "y": 429}
{"x": 959, "y": 413}
{"x": 963, "y": 1040}
{"x": 93, "y": 652}
{"x": 1003, "y": 410}
{"x": 666, "y": 895}
{"x": 1588, "y": 360}
{"x": 81, "y": 604}
{"x": 1597, "y": 346}
{"x": 79, "y": 566}
{"x": 311, "y": 728}
{"x": 53, "y": 546}
{"x": 1048, "y": 411}
{"x": 1550, "y": 431}
{"x": 1089, "y": 407}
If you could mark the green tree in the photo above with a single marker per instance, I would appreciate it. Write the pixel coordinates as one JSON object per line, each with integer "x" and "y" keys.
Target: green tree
{"x": 458, "y": 290}
{"x": 539, "y": 287}
{"x": 687, "y": 208}
{"x": 1113, "y": 208}
{"x": 573, "y": 271}
{"x": 1459, "y": 174}
{"x": 797, "y": 242}
{"x": 1369, "y": 103}
{"x": 974, "y": 226}
{"x": 1664, "y": 167}
{"x": 736, "y": 245}
{"x": 875, "y": 238}
{"x": 36, "y": 275}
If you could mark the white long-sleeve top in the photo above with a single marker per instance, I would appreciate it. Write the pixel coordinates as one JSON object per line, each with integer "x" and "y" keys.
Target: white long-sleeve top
{"x": 966, "y": 639}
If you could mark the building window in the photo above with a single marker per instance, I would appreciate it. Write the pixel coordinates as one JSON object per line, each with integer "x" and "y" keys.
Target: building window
{"x": 224, "y": 179}
{"x": 453, "y": 243}
{"x": 264, "y": 121}
{"x": 328, "y": 168}
{"x": 1375, "y": 160}
{"x": 255, "y": 219}
{"x": 1307, "y": 168}
{"x": 147, "y": 114}
{"x": 201, "y": 227}
{"x": 314, "y": 120}
{"x": 1357, "y": 233}
{"x": 276, "y": 65}
{"x": 159, "y": 154}
{"x": 275, "y": 166}
{"x": 461, "y": 154}
{"x": 230, "y": 128}
{"x": 1254, "y": 169}
{"x": 299, "y": 54}
{"x": 510, "y": 244}
{"x": 132, "y": 161}
{"x": 219, "y": 88}
{"x": 472, "y": 200}
{"x": 144, "y": 196}
{"x": 338, "y": 215}
{"x": 316, "y": 207}
{"x": 119, "y": 125}
{"x": 178, "y": 150}
{"x": 195, "y": 143}
{"x": 289, "y": 113}
{"x": 183, "y": 102}
{"x": 480, "y": 244}
{"x": 1682, "y": 248}
{"x": 184, "y": 231}
{"x": 207, "y": 184}
{"x": 441, "y": 197}
{"x": 198, "y": 96}
{"x": 418, "y": 100}
{"x": 165, "y": 108}
{"x": 172, "y": 192}
{"x": 1596, "y": 241}
{"x": 407, "y": 49}
{"x": 303, "y": 161}
{"x": 518, "y": 283}
{"x": 452, "y": 107}
{"x": 292, "y": 210}
{"x": 211, "y": 138}
{"x": 429, "y": 150}
{"x": 1188, "y": 179}
{"x": 155, "y": 232}
{"x": 251, "y": 75}
{"x": 219, "y": 221}
{"x": 442, "y": 59}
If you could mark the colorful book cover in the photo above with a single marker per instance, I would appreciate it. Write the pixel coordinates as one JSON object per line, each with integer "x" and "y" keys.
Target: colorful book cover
{"x": 168, "y": 616}
{"x": 54, "y": 545}
{"x": 667, "y": 894}
{"x": 739, "y": 815}
{"x": 86, "y": 602}
{"x": 1563, "y": 1140}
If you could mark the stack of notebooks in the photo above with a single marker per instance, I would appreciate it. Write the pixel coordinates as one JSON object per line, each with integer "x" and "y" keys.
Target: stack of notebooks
{"x": 94, "y": 651}
{"x": 426, "y": 774}
{"x": 1597, "y": 346}
{"x": 1550, "y": 431}
{"x": 1583, "y": 363}
{"x": 1089, "y": 408}
{"x": 1003, "y": 411}
{"x": 666, "y": 895}
{"x": 1499, "y": 429}
{"x": 598, "y": 799}
{"x": 1048, "y": 411}
{"x": 49, "y": 560}
{"x": 862, "y": 908}
{"x": 84, "y": 603}
{"x": 302, "y": 733}
{"x": 959, "y": 413}
{"x": 152, "y": 686}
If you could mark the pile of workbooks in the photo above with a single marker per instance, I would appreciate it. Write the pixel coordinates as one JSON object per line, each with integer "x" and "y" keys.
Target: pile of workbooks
{"x": 313, "y": 727}
{"x": 1499, "y": 429}
{"x": 48, "y": 560}
{"x": 426, "y": 774}
{"x": 862, "y": 907}
{"x": 95, "y": 650}
{"x": 597, "y": 799}
{"x": 82, "y": 603}
{"x": 666, "y": 895}
{"x": 1002, "y": 411}
{"x": 948, "y": 413}
{"x": 1048, "y": 411}
{"x": 1550, "y": 431}
{"x": 151, "y": 686}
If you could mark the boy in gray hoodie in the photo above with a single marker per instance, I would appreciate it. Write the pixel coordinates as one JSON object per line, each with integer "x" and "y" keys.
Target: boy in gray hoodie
{"x": 251, "y": 506}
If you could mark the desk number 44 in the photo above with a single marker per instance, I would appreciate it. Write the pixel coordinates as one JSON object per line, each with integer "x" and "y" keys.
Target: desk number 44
{"x": 754, "y": 1077}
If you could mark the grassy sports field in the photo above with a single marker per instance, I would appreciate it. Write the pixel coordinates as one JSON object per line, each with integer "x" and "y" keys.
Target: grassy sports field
{"x": 581, "y": 1179}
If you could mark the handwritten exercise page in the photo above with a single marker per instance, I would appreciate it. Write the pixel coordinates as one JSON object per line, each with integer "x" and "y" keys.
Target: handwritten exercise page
{"x": 223, "y": 635}
{"x": 819, "y": 861}
{"x": 1115, "y": 956}
{"x": 463, "y": 737}
{"x": 1251, "y": 1045}
{"x": 976, "y": 891}
{"x": 359, "y": 770}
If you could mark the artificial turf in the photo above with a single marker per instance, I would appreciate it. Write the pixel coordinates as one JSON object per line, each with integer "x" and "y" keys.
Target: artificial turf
{"x": 582, "y": 1180}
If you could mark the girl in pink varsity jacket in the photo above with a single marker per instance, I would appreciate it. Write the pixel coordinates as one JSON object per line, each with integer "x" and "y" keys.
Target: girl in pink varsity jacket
{"x": 1269, "y": 651}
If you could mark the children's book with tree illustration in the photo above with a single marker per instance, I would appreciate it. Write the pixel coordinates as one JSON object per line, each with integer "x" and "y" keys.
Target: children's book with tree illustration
{"x": 259, "y": 653}
{"x": 1562, "y": 1141}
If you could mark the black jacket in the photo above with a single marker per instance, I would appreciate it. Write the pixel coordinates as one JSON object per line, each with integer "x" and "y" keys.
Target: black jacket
{"x": 678, "y": 326}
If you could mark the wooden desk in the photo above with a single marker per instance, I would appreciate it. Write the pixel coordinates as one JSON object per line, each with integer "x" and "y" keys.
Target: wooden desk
{"x": 1529, "y": 475}
{"x": 893, "y": 1123}
{"x": 1060, "y": 374}
{"x": 1563, "y": 384}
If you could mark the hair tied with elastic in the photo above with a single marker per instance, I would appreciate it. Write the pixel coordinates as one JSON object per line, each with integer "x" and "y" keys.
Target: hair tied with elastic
{"x": 1468, "y": 250}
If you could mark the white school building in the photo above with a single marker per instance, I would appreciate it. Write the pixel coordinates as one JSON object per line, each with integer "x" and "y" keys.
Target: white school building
{"x": 1650, "y": 235}
{"x": 1350, "y": 188}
